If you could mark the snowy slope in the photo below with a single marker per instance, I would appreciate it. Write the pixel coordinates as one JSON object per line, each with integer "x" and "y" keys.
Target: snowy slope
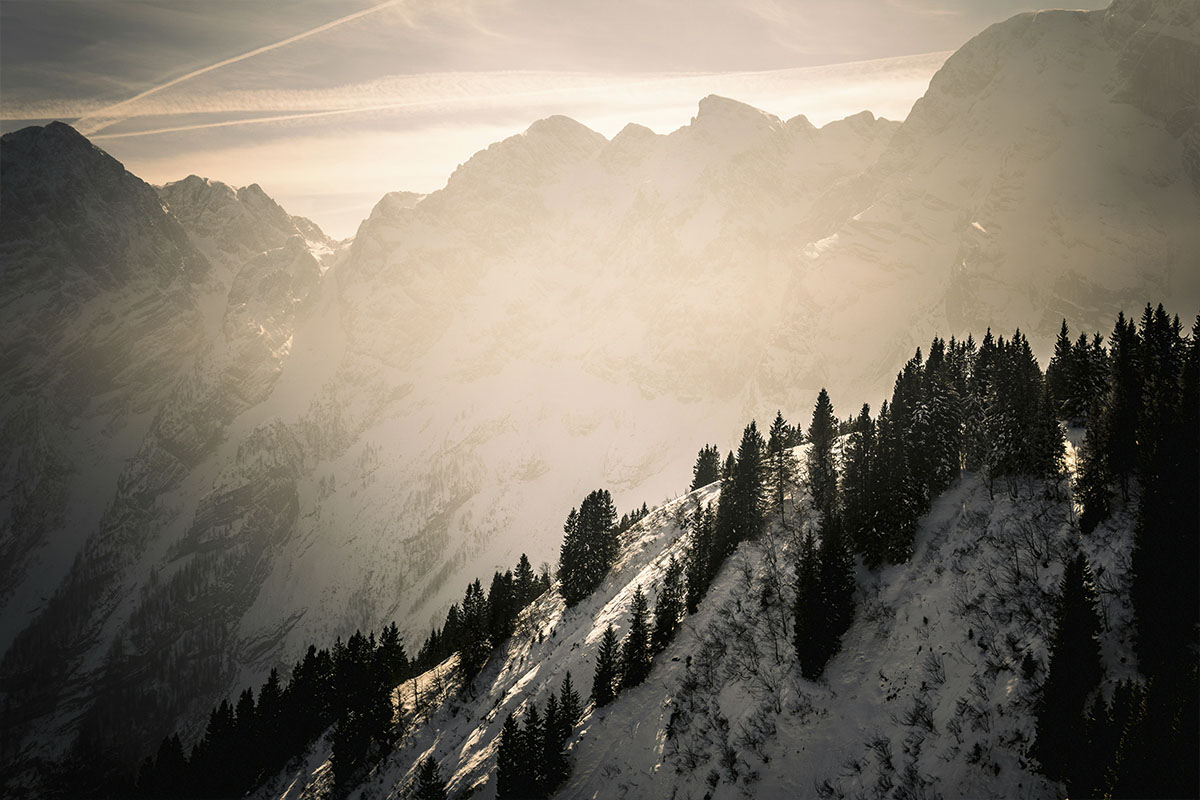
{"x": 927, "y": 698}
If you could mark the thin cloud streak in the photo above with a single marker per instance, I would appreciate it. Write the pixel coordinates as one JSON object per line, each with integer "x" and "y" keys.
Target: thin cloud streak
{"x": 573, "y": 94}
{"x": 106, "y": 121}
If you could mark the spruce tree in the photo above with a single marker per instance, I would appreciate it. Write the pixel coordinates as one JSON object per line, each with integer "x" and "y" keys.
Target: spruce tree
{"x": 699, "y": 567}
{"x": 476, "y": 639}
{"x": 604, "y": 681}
{"x": 509, "y": 760}
{"x": 525, "y": 587}
{"x": 533, "y": 733}
{"x": 707, "y": 468}
{"x": 1073, "y": 674}
{"x": 553, "y": 756}
{"x": 430, "y": 785}
{"x": 741, "y": 510}
{"x": 822, "y": 471}
{"x": 858, "y": 489}
{"x": 636, "y": 653}
{"x": 669, "y": 605}
{"x": 809, "y": 646}
{"x": 1061, "y": 373}
{"x": 568, "y": 700}
{"x": 781, "y": 463}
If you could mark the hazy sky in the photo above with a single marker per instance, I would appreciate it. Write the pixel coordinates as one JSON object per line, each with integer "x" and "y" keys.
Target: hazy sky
{"x": 330, "y": 103}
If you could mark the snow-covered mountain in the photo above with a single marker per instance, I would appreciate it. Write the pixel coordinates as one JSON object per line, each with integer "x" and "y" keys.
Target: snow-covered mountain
{"x": 230, "y": 437}
{"x": 929, "y": 697}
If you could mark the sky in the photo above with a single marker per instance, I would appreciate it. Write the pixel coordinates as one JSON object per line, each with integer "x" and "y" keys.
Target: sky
{"x": 329, "y": 104}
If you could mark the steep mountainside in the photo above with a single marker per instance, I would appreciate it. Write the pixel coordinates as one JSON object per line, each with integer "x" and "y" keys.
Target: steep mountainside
{"x": 929, "y": 697}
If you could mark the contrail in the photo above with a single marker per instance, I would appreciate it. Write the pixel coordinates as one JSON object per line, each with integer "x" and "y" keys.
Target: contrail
{"x": 103, "y": 113}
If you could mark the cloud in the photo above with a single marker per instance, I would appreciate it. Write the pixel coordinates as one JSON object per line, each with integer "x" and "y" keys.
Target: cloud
{"x": 106, "y": 116}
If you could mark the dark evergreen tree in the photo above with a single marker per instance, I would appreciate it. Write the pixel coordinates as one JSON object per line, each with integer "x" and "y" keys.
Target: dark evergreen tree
{"x": 809, "y": 647}
{"x": 781, "y": 463}
{"x": 1092, "y": 485}
{"x": 589, "y": 547}
{"x": 553, "y": 756}
{"x": 1121, "y": 422}
{"x": 430, "y": 785}
{"x": 707, "y": 468}
{"x": 604, "y": 681}
{"x": 669, "y": 605}
{"x": 1073, "y": 674}
{"x": 509, "y": 760}
{"x": 569, "y": 704}
{"x": 636, "y": 653}
{"x": 1061, "y": 373}
{"x": 525, "y": 588}
{"x": 533, "y": 734}
{"x": 699, "y": 568}
{"x": 502, "y": 608}
{"x": 476, "y": 641}
{"x": 836, "y": 578}
{"x": 741, "y": 510}
{"x": 822, "y": 470}
{"x": 859, "y": 485}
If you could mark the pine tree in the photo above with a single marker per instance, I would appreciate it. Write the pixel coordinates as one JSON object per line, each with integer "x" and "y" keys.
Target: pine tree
{"x": 669, "y": 605}
{"x": 741, "y": 510}
{"x": 781, "y": 463}
{"x": 554, "y": 742}
{"x": 1073, "y": 674}
{"x": 707, "y": 468}
{"x": 858, "y": 490}
{"x": 524, "y": 582}
{"x": 533, "y": 733}
{"x": 568, "y": 700}
{"x": 1060, "y": 373}
{"x": 836, "y": 578}
{"x": 699, "y": 568}
{"x": 430, "y": 785}
{"x": 590, "y": 546}
{"x": 509, "y": 760}
{"x": 476, "y": 642}
{"x": 809, "y": 647}
{"x": 1123, "y": 404}
{"x": 636, "y": 651}
{"x": 604, "y": 681}
{"x": 822, "y": 471}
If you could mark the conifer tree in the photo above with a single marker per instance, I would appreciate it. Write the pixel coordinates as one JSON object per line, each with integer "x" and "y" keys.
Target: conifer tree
{"x": 1123, "y": 405}
{"x": 822, "y": 471}
{"x": 740, "y": 512}
{"x": 1061, "y": 372}
{"x": 859, "y": 485}
{"x": 809, "y": 647}
{"x": 553, "y": 757}
{"x": 699, "y": 568}
{"x": 604, "y": 681}
{"x": 509, "y": 760}
{"x": 669, "y": 605}
{"x": 707, "y": 468}
{"x": 568, "y": 700}
{"x": 1073, "y": 674}
{"x": 636, "y": 651}
{"x": 430, "y": 785}
{"x": 781, "y": 463}
{"x": 476, "y": 641}
{"x": 524, "y": 582}
{"x": 533, "y": 734}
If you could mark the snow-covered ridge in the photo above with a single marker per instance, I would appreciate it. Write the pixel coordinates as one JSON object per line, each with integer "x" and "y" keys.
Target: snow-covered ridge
{"x": 931, "y": 691}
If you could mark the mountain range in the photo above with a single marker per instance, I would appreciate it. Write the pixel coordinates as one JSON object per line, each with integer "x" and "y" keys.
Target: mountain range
{"x": 228, "y": 436}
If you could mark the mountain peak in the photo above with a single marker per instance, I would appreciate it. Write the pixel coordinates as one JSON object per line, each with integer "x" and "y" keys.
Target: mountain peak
{"x": 561, "y": 127}
{"x": 714, "y": 107}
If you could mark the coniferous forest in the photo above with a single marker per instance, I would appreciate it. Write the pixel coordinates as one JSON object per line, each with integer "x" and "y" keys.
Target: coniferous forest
{"x": 961, "y": 406}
